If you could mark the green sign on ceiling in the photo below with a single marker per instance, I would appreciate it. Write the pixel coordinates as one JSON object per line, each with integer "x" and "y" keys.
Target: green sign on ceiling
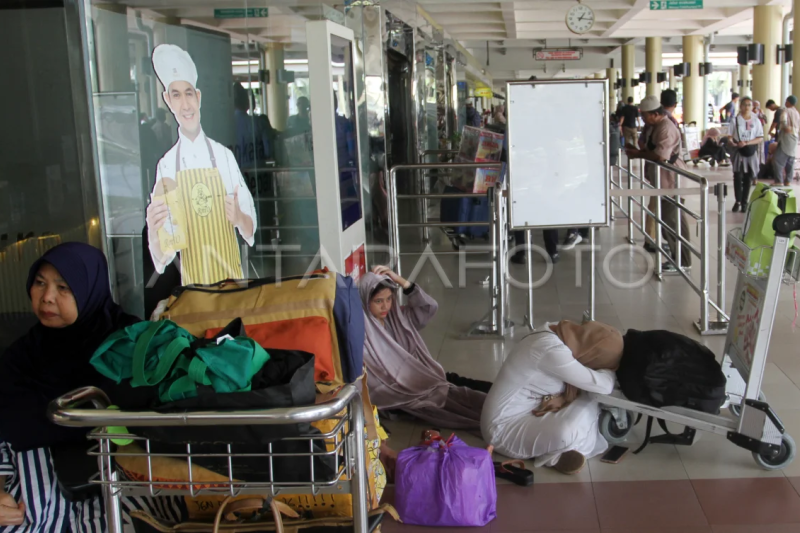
{"x": 234, "y": 13}
{"x": 661, "y": 5}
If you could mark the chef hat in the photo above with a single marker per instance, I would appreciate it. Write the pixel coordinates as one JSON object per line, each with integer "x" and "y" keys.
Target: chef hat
{"x": 173, "y": 63}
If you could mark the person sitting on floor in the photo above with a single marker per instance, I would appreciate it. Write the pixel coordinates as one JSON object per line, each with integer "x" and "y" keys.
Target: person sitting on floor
{"x": 535, "y": 409}
{"x": 713, "y": 148}
{"x": 402, "y": 373}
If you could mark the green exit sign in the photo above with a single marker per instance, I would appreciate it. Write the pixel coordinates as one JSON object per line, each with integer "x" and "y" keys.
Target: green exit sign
{"x": 250, "y": 13}
{"x": 659, "y": 5}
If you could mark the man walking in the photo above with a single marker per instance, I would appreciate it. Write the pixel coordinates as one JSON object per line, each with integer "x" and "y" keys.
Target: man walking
{"x": 787, "y": 135}
{"x": 630, "y": 129}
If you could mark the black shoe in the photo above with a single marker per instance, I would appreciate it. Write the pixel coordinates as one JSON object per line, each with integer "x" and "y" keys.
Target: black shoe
{"x": 650, "y": 248}
{"x": 571, "y": 241}
{"x": 555, "y": 258}
{"x": 667, "y": 267}
{"x": 518, "y": 258}
{"x": 736, "y": 207}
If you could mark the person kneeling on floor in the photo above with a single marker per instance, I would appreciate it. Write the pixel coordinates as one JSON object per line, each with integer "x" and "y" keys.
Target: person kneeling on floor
{"x": 402, "y": 373}
{"x": 535, "y": 408}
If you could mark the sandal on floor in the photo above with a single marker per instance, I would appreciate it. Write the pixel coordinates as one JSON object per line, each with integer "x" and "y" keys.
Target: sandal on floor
{"x": 515, "y": 472}
{"x": 570, "y": 463}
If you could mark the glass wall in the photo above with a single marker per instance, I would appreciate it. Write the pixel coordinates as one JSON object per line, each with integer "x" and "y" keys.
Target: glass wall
{"x": 45, "y": 197}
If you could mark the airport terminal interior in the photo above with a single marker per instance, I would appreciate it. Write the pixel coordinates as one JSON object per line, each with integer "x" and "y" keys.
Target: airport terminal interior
{"x": 295, "y": 135}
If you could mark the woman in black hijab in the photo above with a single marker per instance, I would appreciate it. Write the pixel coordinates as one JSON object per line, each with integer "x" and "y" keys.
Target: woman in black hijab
{"x": 71, "y": 297}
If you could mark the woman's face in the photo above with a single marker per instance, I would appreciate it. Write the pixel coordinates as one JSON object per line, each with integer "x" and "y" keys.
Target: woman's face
{"x": 52, "y": 300}
{"x": 746, "y": 107}
{"x": 381, "y": 303}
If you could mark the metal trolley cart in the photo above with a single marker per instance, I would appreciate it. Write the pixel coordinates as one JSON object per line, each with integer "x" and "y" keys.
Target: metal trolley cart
{"x": 343, "y": 445}
{"x": 755, "y": 426}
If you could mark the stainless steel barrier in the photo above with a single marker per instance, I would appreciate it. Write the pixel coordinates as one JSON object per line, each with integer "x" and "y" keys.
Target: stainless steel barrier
{"x": 344, "y": 446}
{"x": 636, "y": 197}
{"x": 423, "y": 187}
{"x": 495, "y": 321}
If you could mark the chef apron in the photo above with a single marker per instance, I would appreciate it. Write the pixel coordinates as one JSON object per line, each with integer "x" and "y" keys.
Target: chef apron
{"x": 212, "y": 253}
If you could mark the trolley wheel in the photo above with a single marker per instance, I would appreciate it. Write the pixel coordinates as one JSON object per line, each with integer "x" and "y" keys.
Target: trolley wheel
{"x": 611, "y": 431}
{"x": 784, "y": 457}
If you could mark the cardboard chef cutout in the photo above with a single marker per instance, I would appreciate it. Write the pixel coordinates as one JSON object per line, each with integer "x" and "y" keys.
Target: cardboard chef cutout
{"x": 200, "y": 199}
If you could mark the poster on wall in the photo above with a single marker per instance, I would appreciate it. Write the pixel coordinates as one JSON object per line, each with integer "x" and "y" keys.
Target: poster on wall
{"x": 200, "y": 201}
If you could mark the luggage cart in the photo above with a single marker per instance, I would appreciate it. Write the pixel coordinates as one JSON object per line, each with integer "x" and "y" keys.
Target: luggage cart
{"x": 344, "y": 445}
{"x": 755, "y": 425}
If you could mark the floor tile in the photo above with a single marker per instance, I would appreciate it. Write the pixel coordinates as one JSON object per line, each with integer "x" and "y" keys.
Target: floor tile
{"x": 683, "y": 529}
{"x": 748, "y": 501}
{"x": 656, "y": 462}
{"x": 640, "y": 504}
{"x": 560, "y": 506}
{"x": 390, "y": 526}
{"x": 762, "y": 528}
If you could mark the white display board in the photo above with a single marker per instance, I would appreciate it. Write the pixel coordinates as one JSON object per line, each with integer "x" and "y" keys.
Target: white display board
{"x": 558, "y": 153}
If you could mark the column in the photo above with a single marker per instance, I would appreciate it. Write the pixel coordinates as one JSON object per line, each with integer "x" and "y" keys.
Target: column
{"x": 111, "y": 45}
{"x": 794, "y": 87}
{"x": 672, "y": 81}
{"x": 628, "y": 68}
{"x": 745, "y": 76}
{"x": 611, "y": 74}
{"x": 652, "y": 52}
{"x": 693, "y": 83}
{"x": 735, "y": 81}
{"x": 767, "y": 30}
{"x": 277, "y": 95}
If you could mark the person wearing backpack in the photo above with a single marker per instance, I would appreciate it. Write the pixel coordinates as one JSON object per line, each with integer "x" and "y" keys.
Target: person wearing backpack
{"x": 747, "y": 133}
{"x": 535, "y": 408}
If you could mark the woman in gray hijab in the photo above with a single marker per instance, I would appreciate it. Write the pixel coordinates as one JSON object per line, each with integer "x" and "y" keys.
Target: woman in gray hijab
{"x": 402, "y": 373}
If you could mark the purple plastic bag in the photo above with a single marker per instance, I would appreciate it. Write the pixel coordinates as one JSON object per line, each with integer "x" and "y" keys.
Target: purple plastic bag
{"x": 445, "y": 484}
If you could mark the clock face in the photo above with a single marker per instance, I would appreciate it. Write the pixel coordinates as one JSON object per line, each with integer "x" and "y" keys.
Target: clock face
{"x": 580, "y": 18}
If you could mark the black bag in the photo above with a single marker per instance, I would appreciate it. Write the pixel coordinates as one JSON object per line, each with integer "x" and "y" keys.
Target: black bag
{"x": 749, "y": 150}
{"x": 661, "y": 368}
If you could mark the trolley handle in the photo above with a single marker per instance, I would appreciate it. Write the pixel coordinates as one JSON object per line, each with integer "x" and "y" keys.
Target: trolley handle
{"x": 786, "y": 223}
{"x": 64, "y": 411}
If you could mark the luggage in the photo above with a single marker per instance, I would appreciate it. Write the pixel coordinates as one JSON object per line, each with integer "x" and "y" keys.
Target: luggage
{"x": 165, "y": 356}
{"x": 291, "y": 314}
{"x": 662, "y": 368}
{"x": 766, "y": 202}
{"x": 465, "y": 210}
{"x": 445, "y": 483}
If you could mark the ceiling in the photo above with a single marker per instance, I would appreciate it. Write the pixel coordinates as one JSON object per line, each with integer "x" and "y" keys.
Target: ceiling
{"x": 512, "y": 30}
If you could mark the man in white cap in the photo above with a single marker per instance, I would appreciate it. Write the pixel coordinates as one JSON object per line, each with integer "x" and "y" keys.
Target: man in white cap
{"x": 663, "y": 145}
{"x": 210, "y": 200}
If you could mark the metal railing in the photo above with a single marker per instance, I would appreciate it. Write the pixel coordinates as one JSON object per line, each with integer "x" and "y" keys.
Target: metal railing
{"x": 424, "y": 188}
{"x": 494, "y": 322}
{"x": 636, "y": 197}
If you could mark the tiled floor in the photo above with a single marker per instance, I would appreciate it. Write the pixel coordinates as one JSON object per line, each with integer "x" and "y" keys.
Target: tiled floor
{"x": 710, "y": 487}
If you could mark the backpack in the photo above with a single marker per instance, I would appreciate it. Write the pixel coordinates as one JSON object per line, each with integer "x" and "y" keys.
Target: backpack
{"x": 662, "y": 368}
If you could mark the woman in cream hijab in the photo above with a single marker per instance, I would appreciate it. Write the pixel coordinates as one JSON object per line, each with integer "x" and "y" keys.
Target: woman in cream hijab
{"x": 535, "y": 408}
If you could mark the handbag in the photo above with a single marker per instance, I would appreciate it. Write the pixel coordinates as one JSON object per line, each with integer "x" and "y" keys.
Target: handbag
{"x": 750, "y": 149}
{"x": 254, "y": 515}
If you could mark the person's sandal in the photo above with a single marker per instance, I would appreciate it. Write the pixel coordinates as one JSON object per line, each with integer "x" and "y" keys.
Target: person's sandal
{"x": 515, "y": 472}
{"x": 570, "y": 463}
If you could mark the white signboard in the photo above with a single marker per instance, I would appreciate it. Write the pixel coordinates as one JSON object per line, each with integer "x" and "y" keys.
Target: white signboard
{"x": 558, "y": 153}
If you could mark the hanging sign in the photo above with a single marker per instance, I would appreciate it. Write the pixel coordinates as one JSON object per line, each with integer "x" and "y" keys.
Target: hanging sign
{"x": 661, "y": 5}
{"x": 483, "y": 92}
{"x": 559, "y": 54}
{"x": 235, "y": 13}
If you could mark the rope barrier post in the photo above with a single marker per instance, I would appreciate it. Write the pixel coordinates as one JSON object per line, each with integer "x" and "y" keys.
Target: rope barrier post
{"x": 592, "y": 272}
{"x": 529, "y": 265}
{"x": 641, "y": 186}
{"x": 704, "y": 259}
{"x": 630, "y": 201}
{"x": 500, "y": 258}
{"x": 495, "y": 297}
{"x": 722, "y": 235}
{"x": 659, "y": 237}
